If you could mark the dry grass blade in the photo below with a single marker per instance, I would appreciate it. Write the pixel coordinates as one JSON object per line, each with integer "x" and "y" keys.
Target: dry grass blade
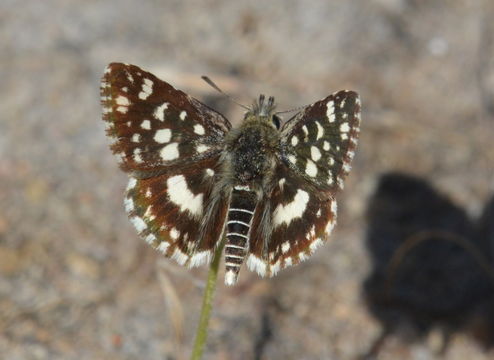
{"x": 175, "y": 309}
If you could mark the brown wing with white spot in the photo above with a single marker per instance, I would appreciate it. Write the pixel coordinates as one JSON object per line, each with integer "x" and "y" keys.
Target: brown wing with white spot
{"x": 319, "y": 143}
{"x": 289, "y": 224}
{"x": 179, "y": 212}
{"x": 156, "y": 127}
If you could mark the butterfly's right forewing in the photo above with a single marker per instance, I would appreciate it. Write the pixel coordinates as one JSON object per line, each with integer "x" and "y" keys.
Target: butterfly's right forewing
{"x": 319, "y": 143}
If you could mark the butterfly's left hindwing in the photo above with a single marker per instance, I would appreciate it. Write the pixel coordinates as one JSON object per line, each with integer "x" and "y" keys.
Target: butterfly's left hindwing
{"x": 169, "y": 212}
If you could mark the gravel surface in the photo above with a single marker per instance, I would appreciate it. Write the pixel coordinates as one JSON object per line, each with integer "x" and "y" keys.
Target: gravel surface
{"x": 75, "y": 280}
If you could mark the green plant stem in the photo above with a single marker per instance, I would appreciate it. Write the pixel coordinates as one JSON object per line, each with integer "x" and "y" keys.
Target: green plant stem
{"x": 207, "y": 302}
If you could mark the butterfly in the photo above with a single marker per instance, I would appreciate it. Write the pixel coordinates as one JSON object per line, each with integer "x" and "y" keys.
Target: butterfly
{"x": 267, "y": 190}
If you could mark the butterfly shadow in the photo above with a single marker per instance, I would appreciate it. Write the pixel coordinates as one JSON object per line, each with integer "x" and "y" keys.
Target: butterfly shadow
{"x": 429, "y": 269}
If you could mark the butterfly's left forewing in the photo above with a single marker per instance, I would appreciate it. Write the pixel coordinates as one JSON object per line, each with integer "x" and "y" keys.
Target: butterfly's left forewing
{"x": 156, "y": 127}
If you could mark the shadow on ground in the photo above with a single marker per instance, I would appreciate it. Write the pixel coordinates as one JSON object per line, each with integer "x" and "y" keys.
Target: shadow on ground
{"x": 432, "y": 266}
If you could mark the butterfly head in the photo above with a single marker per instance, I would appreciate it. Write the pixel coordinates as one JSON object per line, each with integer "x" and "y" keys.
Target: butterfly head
{"x": 263, "y": 111}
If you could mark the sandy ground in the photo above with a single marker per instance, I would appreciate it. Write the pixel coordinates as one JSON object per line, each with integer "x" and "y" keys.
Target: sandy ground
{"x": 75, "y": 280}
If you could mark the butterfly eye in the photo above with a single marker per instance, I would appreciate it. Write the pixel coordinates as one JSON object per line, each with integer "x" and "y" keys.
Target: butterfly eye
{"x": 276, "y": 121}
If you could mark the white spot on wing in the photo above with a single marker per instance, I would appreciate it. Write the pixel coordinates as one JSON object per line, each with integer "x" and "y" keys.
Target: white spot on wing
{"x": 200, "y": 258}
{"x": 146, "y": 124}
{"x": 275, "y": 267}
{"x": 129, "y": 205}
{"x": 199, "y": 129}
{"x": 137, "y": 155}
{"x": 136, "y": 138}
{"x": 334, "y": 207}
{"x": 201, "y": 148}
{"x": 147, "y": 89}
{"x": 210, "y": 172}
{"x": 148, "y": 214}
{"x": 294, "y": 140}
{"x": 256, "y": 264}
{"x": 326, "y": 146}
{"x": 311, "y": 168}
{"x": 179, "y": 256}
{"x": 183, "y": 115}
{"x": 122, "y": 100}
{"x": 320, "y": 131}
{"x": 330, "y": 108}
{"x": 329, "y": 227}
{"x": 132, "y": 183}
{"x": 170, "y": 152}
{"x": 122, "y": 109}
{"x": 295, "y": 209}
{"x": 138, "y": 223}
{"x": 179, "y": 193}
{"x": 285, "y": 247}
{"x": 315, "y": 153}
{"x": 150, "y": 238}
{"x": 344, "y": 127}
{"x": 281, "y": 183}
{"x": 315, "y": 244}
{"x": 163, "y": 136}
{"x": 174, "y": 233}
{"x": 163, "y": 246}
{"x": 159, "y": 112}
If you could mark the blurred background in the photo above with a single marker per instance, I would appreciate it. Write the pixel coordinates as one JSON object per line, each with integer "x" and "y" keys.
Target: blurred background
{"x": 407, "y": 274}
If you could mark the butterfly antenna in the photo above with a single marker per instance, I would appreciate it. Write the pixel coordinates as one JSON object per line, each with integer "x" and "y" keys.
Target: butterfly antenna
{"x": 291, "y": 110}
{"x": 214, "y": 86}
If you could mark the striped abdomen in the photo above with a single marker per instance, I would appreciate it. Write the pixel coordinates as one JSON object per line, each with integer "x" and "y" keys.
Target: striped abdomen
{"x": 240, "y": 213}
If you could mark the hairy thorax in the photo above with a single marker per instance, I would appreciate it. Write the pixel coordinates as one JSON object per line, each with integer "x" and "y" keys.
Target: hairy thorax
{"x": 253, "y": 148}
